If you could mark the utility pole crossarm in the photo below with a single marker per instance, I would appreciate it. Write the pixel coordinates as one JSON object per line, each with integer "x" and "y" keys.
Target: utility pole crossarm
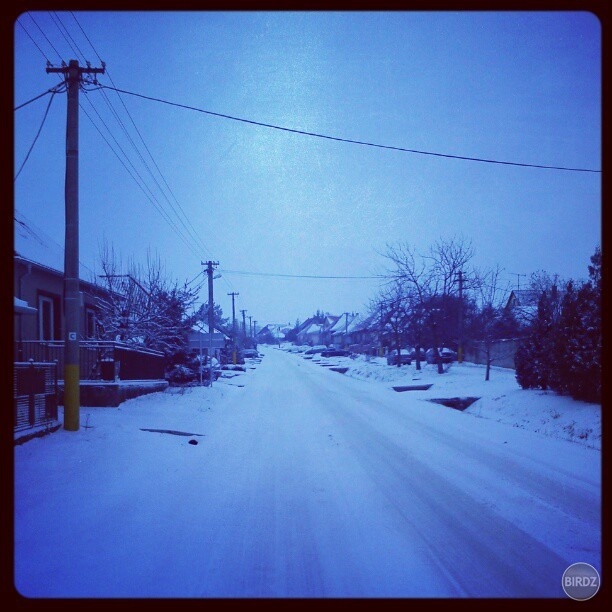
{"x": 82, "y": 70}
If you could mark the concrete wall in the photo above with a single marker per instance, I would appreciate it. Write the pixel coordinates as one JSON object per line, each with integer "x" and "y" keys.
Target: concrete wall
{"x": 502, "y": 352}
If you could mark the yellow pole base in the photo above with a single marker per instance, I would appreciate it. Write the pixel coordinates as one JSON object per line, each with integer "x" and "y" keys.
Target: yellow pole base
{"x": 72, "y": 398}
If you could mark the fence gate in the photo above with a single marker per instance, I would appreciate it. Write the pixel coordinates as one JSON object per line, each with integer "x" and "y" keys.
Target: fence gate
{"x": 35, "y": 394}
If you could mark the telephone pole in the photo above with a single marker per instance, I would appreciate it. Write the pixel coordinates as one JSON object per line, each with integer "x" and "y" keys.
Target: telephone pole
{"x": 250, "y": 326}
{"x": 244, "y": 322}
{"x": 234, "y": 294}
{"x": 211, "y": 315}
{"x": 460, "y": 343}
{"x": 72, "y": 74}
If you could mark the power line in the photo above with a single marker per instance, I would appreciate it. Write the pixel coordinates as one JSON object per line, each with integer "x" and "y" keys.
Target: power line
{"x": 188, "y": 225}
{"x": 316, "y": 276}
{"x": 53, "y": 90}
{"x": 35, "y": 43}
{"x": 348, "y": 140}
{"x": 46, "y": 38}
{"x": 191, "y": 233}
{"x": 36, "y": 137}
{"x": 45, "y": 239}
{"x": 150, "y": 196}
{"x": 58, "y": 22}
{"x": 142, "y": 184}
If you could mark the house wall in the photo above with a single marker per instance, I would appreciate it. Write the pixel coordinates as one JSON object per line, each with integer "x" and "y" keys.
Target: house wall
{"x": 36, "y": 284}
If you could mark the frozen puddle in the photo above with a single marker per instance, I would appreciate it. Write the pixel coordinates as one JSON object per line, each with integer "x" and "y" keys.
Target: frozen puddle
{"x": 413, "y": 388}
{"x": 458, "y": 403}
{"x": 172, "y": 431}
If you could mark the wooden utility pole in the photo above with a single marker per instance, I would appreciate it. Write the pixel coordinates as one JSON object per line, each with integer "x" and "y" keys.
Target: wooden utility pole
{"x": 72, "y": 74}
{"x": 250, "y": 318}
{"x": 211, "y": 315}
{"x": 460, "y": 343}
{"x": 346, "y": 314}
{"x": 233, "y": 294}
{"x": 244, "y": 322}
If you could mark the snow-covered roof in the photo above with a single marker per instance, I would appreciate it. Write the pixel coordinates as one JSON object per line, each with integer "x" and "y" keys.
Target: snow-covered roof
{"x": 312, "y": 328}
{"x": 22, "y": 307}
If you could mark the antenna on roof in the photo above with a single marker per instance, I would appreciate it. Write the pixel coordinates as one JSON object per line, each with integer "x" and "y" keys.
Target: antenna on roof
{"x": 518, "y": 279}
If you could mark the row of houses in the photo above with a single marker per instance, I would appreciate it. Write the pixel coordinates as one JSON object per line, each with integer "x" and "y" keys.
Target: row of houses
{"x": 39, "y": 326}
{"x": 39, "y": 316}
{"x": 363, "y": 334}
{"x": 345, "y": 330}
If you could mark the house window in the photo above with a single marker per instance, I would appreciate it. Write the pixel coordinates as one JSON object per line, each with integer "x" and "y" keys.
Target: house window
{"x": 46, "y": 318}
{"x": 90, "y": 323}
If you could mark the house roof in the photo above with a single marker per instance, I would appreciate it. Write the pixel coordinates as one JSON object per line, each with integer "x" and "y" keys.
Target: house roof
{"x": 311, "y": 328}
{"x": 345, "y": 323}
{"x": 22, "y": 307}
{"x": 54, "y": 271}
{"x": 522, "y": 298}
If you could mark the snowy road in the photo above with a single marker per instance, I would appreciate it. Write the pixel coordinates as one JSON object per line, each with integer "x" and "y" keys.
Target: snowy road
{"x": 312, "y": 484}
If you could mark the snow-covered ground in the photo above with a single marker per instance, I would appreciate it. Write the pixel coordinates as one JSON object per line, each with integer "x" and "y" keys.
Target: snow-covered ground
{"x": 288, "y": 480}
{"x": 502, "y": 399}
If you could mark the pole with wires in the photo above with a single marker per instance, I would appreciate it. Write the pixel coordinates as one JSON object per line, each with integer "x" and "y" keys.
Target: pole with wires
{"x": 234, "y": 294}
{"x": 72, "y": 74}
{"x": 211, "y": 315}
{"x": 243, "y": 311}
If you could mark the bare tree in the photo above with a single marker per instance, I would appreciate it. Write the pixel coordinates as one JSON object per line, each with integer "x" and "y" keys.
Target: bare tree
{"x": 431, "y": 280}
{"x": 141, "y": 306}
{"x": 395, "y": 314}
{"x": 448, "y": 258}
{"x": 492, "y": 298}
{"x": 412, "y": 272}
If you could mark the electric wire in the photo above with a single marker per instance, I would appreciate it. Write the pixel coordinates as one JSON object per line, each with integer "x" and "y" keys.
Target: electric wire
{"x": 32, "y": 39}
{"x": 348, "y": 140}
{"x": 188, "y": 228}
{"x": 193, "y": 232}
{"x": 44, "y": 238}
{"x": 58, "y": 23}
{"x": 53, "y": 90}
{"x": 36, "y": 137}
{"x": 311, "y": 276}
{"x": 159, "y": 207}
{"x": 46, "y": 38}
{"x": 150, "y": 197}
{"x": 190, "y": 231}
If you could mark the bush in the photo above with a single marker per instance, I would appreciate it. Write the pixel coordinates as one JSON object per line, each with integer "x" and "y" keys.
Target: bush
{"x": 181, "y": 374}
{"x": 563, "y": 349}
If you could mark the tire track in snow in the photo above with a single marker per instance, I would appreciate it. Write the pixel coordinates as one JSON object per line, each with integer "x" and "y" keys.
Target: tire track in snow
{"x": 517, "y": 561}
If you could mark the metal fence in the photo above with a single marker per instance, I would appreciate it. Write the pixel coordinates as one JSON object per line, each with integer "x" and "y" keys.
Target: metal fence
{"x": 98, "y": 360}
{"x": 35, "y": 394}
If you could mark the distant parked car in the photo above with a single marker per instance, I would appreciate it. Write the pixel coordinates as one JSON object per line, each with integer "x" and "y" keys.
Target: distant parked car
{"x": 335, "y": 352}
{"x": 412, "y": 354}
{"x": 315, "y": 349}
{"x": 446, "y": 355}
{"x": 250, "y": 353}
{"x": 403, "y": 358}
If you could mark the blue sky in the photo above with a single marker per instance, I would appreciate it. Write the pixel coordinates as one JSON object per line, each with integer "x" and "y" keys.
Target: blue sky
{"x": 511, "y": 86}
